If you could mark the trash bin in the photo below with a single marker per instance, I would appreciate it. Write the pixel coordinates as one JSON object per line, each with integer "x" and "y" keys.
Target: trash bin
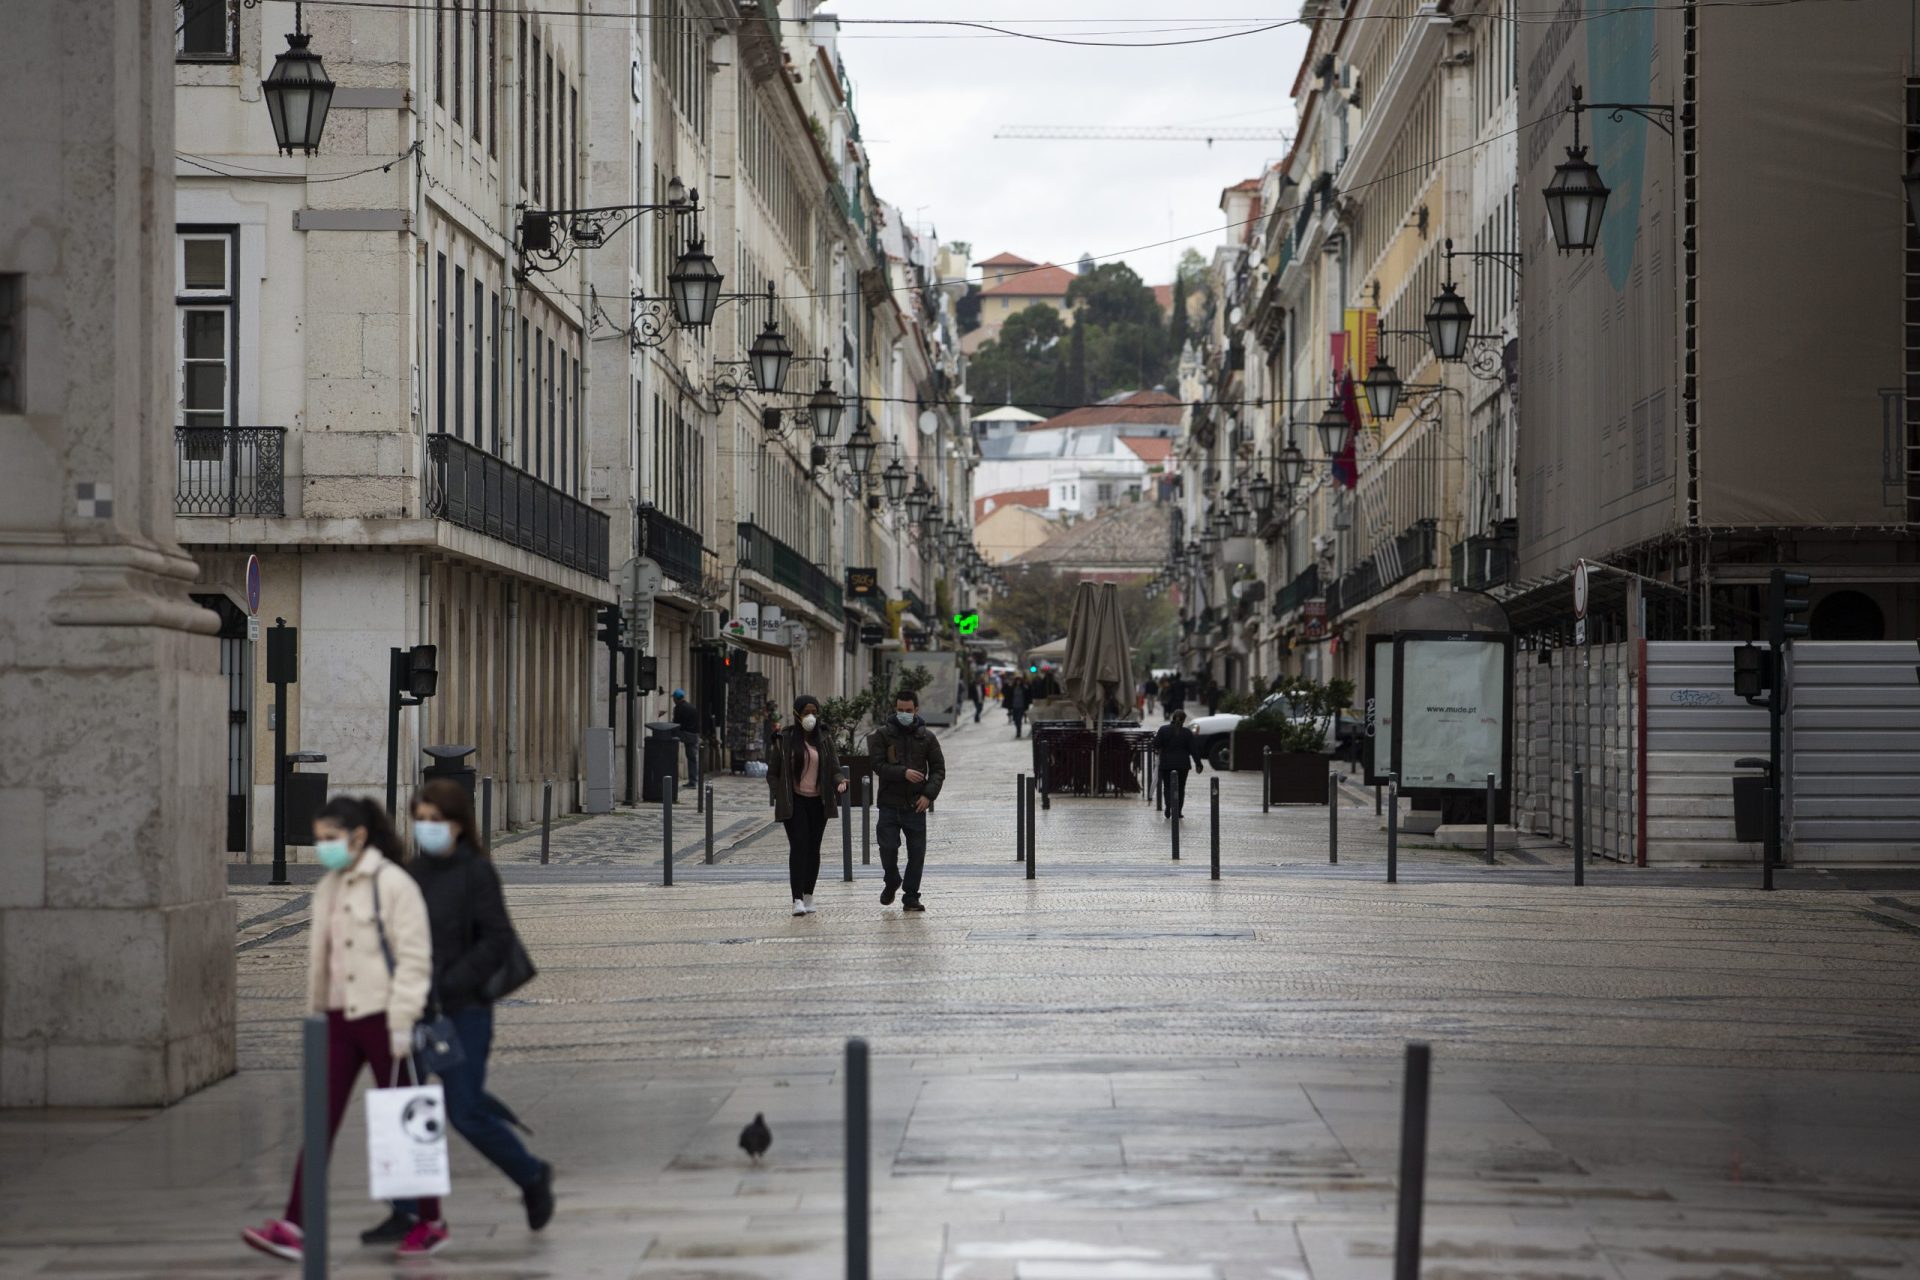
{"x": 1750, "y": 800}
{"x": 306, "y": 792}
{"x": 450, "y": 762}
{"x": 660, "y": 759}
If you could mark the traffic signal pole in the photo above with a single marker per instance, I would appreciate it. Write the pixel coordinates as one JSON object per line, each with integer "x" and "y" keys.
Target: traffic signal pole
{"x": 1782, "y": 628}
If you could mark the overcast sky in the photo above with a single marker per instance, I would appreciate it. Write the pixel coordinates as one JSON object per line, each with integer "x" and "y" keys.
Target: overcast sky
{"x": 931, "y": 98}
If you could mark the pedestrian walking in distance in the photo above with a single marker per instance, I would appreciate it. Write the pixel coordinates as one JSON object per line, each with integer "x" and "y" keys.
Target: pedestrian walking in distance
{"x": 1017, "y": 699}
{"x": 473, "y": 942}
{"x": 1178, "y": 749}
{"x": 803, "y": 775}
{"x": 1148, "y": 691}
{"x": 979, "y": 698}
{"x": 1174, "y": 697}
{"x": 687, "y": 720}
{"x": 371, "y": 1004}
{"x": 911, "y": 768}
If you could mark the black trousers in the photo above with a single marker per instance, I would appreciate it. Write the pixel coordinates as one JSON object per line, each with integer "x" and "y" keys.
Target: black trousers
{"x": 804, "y": 829}
{"x": 1018, "y": 718}
{"x": 1173, "y": 791}
{"x": 895, "y": 823}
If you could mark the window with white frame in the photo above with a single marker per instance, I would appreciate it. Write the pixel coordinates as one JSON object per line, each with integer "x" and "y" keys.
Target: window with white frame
{"x": 205, "y": 333}
{"x": 205, "y": 31}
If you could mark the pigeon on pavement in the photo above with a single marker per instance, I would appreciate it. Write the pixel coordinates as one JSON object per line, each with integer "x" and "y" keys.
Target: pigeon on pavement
{"x": 756, "y": 1137}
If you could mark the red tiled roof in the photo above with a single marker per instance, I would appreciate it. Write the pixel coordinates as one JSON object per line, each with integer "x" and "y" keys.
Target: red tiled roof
{"x": 1148, "y": 408}
{"x": 1245, "y": 184}
{"x": 984, "y": 507}
{"x": 1163, "y": 294}
{"x": 1045, "y": 281}
{"x": 1005, "y": 260}
{"x": 1151, "y": 449}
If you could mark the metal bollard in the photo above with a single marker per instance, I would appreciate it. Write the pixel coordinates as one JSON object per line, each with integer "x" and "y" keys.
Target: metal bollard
{"x": 1579, "y": 827}
{"x": 1033, "y": 852}
{"x": 1376, "y": 799}
{"x": 1214, "y": 805}
{"x": 314, "y": 1132}
{"x": 1393, "y": 832}
{"x": 1019, "y": 817}
{"x": 666, "y": 830}
{"x": 846, "y": 829}
{"x": 546, "y": 819}
{"x": 1266, "y": 780}
{"x": 859, "y": 1145}
{"x": 1179, "y": 798}
{"x": 866, "y": 821}
{"x": 709, "y": 793}
{"x": 700, "y": 798}
{"x": 1490, "y": 809}
{"x": 1413, "y": 1164}
{"x": 1768, "y": 845}
{"x": 486, "y": 810}
{"x": 1333, "y": 820}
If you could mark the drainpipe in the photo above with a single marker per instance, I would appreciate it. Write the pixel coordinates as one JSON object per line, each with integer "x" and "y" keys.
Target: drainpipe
{"x": 511, "y": 658}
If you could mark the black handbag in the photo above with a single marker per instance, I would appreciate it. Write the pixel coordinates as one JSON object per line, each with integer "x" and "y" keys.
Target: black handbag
{"x": 515, "y": 972}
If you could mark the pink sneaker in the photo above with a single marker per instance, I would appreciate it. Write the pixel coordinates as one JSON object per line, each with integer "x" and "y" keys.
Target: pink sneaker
{"x": 280, "y": 1238}
{"x": 425, "y": 1238}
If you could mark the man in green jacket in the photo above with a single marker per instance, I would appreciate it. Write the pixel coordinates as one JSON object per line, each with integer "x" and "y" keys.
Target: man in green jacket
{"x": 907, "y": 759}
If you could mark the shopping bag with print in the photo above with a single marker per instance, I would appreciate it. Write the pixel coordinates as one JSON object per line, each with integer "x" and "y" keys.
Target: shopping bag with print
{"x": 407, "y": 1143}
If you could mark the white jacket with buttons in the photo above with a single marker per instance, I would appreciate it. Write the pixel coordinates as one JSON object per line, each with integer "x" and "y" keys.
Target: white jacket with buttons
{"x": 402, "y": 996}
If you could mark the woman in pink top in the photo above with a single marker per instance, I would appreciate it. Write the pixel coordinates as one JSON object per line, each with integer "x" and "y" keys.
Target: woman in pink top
{"x": 803, "y": 775}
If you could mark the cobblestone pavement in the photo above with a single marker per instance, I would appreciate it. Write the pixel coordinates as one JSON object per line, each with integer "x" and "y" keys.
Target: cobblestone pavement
{"x": 1121, "y": 1070}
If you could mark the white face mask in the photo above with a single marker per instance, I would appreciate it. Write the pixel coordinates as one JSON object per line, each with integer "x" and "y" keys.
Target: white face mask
{"x": 808, "y": 721}
{"x": 434, "y": 838}
{"x": 906, "y": 718}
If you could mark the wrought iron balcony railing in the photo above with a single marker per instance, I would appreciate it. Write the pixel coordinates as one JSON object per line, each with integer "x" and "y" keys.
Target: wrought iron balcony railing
{"x": 1304, "y": 587}
{"x": 469, "y": 487}
{"x": 1482, "y": 562}
{"x": 229, "y": 471}
{"x": 763, "y": 553}
{"x": 668, "y": 543}
{"x": 1413, "y": 551}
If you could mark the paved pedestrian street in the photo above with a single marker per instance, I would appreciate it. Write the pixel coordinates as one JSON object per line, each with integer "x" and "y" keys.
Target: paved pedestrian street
{"x": 1119, "y": 1070}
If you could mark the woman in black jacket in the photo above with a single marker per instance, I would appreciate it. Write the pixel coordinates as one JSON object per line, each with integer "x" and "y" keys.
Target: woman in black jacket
{"x": 472, "y": 939}
{"x": 1177, "y": 748}
{"x": 803, "y": 777}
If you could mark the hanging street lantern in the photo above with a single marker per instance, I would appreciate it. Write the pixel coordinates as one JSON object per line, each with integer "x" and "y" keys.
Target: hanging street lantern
{"x": 894, "y": 481}
{"x": 934, "y": 520}
{"x": 826, "y": 409}
{"x": 1576, "y": 197}
{"x": 1333, "y": 429}
{"x": 693, "y": 287}
{"x": 298, "y": 94}
{"x": 1449, "y": 323}
{"x": 860, "y": 446}
{"x": 1293, "y": 465}
{"x": 770, "y": 357}
{"x": 917, "y": 501}
{"x": 1383, "y": 387}
{"x": 1239, "y": 519}
{"x": 1261, "y": 486}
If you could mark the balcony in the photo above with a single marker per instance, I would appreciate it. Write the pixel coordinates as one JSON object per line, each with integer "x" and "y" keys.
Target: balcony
{"x": 229, "y": 471}
{"x": 1414, "y": 550}
{"x": 1482, "y": 562}
{"x": 668, "y": 543}
{"x": 916, "y": 606}
{"x": 471, "y": 488}
{"x": 765, "y": 554}
{"x": 1304, "y": 587}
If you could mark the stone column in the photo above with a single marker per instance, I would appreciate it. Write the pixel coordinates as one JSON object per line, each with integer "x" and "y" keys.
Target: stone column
{"x": 116, "y": 936}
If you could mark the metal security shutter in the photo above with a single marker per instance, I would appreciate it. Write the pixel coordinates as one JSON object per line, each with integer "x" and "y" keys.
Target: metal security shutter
{"x": 1854, "y": 729}
{"x": 1696, "y": 728}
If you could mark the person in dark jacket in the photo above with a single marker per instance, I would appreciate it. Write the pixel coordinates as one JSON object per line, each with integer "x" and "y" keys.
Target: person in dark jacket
{"x": 472, "y": 939}
{"x": 1177, "y": 748}
{"x": 1175, "y": 697}
{"x": 687, "y": 720}
{"x": 978, "y": 696}
{"x": 803, "y": 777}
{"x": 908, "y": 761}
{"x": 1016, "y": 700}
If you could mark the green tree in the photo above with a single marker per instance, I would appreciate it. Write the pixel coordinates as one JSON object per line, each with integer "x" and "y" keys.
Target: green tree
{"x": 1018, "y": 366}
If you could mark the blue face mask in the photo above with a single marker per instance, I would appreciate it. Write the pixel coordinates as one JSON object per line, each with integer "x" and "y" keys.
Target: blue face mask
{"x": 906, "y": 718}
{"x": 334, "y": 855}
{"x": 434, "y": 838}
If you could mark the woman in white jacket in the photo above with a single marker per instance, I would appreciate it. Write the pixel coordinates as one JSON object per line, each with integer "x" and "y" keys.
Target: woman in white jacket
{"x": 369, "y": 965}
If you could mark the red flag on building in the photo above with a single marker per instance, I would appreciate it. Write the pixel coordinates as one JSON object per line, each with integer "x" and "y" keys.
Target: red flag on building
{"x": 1346, "y": 463}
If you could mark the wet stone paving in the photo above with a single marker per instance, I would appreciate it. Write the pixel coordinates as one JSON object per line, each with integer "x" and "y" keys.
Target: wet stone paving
{"x": 1118, "y": 1070}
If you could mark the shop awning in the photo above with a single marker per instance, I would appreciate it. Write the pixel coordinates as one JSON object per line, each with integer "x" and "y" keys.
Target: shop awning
{"x": 752, "y": 645}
